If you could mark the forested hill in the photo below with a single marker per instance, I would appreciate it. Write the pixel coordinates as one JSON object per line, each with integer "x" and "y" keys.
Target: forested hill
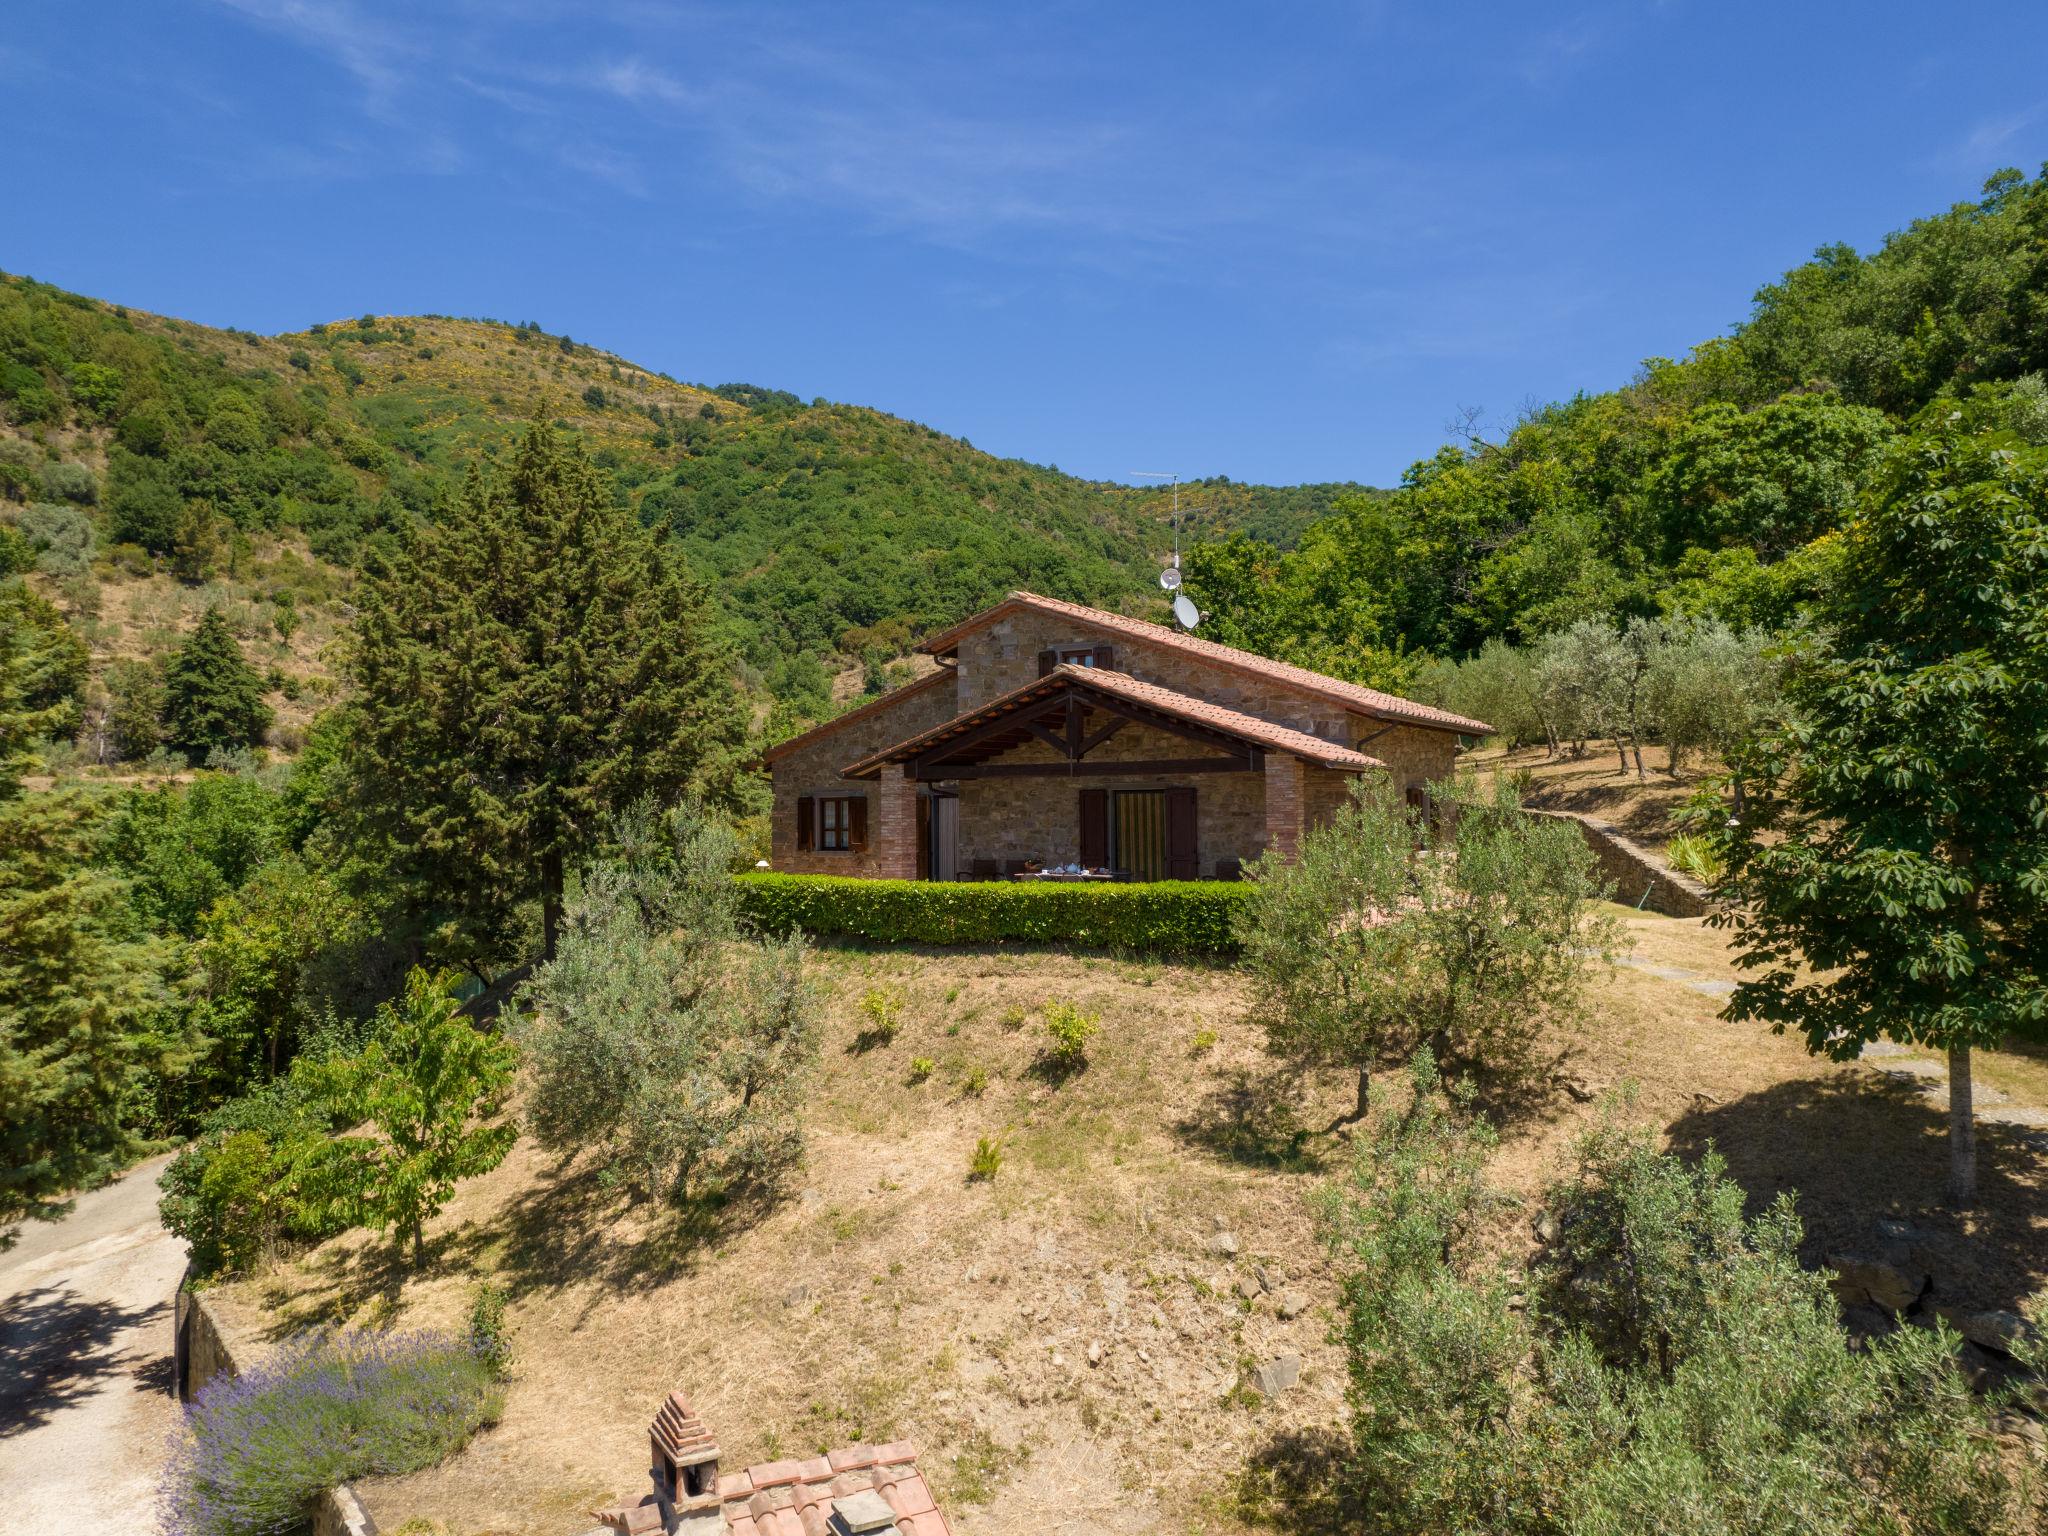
{"x": 1708, "y": 486}
{"x": 831, "y": 533}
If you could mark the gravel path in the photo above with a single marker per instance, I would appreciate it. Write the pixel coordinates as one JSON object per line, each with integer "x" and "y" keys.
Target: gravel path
{"x": 85, "y": 1362}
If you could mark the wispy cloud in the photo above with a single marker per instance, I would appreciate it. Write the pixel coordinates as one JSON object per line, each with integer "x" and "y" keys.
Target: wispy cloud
{"x": 372, "y": 50}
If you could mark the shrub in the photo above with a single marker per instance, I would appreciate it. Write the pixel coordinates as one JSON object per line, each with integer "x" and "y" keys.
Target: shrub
{"x": 1068, "y": 1030}
{"x": 1467, "y": 932}
{"x": 1672, "y": 1369}
{"x": 883, "y": 1010}
{"x": 666, "y": 1034}
{"x": 61, "y": 536}
{"x": 70, "y": 482}
{"x": 1167, "y": 917}
{"x": 261, "y": 1173}
{"x": 986, "y": 1161}
{"x": 489, "y": 1340}
{"x": 257, "y": 1448}
{"x": 921, "y": 1068}
{"x": 1695, "y": 855}
{"x": 975, "y": 1083}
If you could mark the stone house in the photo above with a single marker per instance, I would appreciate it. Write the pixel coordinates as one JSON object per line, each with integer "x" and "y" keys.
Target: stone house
{"x": 1053, "y": 734}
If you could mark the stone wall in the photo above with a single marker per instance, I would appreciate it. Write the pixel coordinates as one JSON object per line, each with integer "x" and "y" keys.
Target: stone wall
{"x": 212, "y": 1339}
{"x": 1041, "y": 818}
{"x": 813, "y": 769}
{"x": 1005, "y": 656}
{"x": 1414, "y": 756}
{"x": 1639, "y": 877}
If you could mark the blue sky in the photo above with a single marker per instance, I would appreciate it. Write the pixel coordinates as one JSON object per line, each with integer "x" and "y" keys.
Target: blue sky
{"x": 1282, "y": 242}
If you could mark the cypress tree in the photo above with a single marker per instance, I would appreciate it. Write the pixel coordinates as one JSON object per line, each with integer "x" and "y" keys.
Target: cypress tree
{"x": 212, "y": 696}
{"x": 77, "y": 990}
{"x": 525, "y": 667}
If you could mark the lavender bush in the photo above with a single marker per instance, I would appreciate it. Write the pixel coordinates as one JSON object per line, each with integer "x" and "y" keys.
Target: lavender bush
{"x": 256, "y": 1449}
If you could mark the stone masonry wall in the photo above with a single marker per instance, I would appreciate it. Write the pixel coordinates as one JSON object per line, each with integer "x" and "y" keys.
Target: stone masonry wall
{"x": 814, "y": 770}
{"x": 1639, "y": 878}
{"x": 212, "y": 1340}
{"x": 1041, "y": 818}
{"x": 1413, "y": 756}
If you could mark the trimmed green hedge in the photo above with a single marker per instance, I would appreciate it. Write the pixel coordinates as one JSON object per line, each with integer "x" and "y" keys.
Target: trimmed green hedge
{"x": 1163, "y": 917}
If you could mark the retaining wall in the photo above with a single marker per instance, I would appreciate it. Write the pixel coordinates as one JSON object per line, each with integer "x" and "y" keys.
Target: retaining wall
{"x": 212, "y": 1340}
{"x": 1638, "y": 876}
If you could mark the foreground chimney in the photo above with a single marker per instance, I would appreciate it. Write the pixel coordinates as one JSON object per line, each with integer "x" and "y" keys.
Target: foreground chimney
{"x": 685, "y": 1456}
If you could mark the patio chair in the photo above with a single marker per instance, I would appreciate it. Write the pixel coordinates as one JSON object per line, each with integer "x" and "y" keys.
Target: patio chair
{"x": 1014, "y": 866}
{"x": 1229, "y": 869}
{"x": 983, "y": 869}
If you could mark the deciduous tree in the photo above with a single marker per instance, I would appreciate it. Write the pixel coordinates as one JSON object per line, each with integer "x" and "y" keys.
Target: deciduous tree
{"x": 1892, "y": 867}
{"x": 428, "y": 1087}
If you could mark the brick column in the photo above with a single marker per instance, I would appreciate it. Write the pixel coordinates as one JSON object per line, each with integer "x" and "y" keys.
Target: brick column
{"x": 1283, "y": 804}
{"x": 892, "y": 845}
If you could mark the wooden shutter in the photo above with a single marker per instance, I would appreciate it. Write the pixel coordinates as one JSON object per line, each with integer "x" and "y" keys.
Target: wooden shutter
{"x": 806, "y": 822}
{"x": 1095, "y": 828}
{"x": 1183, "y": 859}
{"x": 1047, "y": 660}
{"x": 1105, "y": 657}
{"x": 857, "y": 824}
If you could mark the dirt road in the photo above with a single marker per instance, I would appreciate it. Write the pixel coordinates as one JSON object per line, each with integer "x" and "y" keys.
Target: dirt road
{"x": 85, "y": 1361}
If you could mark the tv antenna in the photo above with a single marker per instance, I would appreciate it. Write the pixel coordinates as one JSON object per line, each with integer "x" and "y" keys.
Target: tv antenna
{"x": 1169, "y": 579}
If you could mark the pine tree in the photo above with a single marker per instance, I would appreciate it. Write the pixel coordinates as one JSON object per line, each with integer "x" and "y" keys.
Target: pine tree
{"x": 76, "y": 991}
{"x": 525, "y": 667}
{"x": 212, "y": 696}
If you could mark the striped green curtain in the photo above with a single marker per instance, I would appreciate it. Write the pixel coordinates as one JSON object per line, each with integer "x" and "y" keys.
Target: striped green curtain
{"x": 1140, "y": 832}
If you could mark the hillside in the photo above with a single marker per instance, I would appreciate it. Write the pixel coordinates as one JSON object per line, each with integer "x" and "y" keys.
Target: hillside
{"x": 1073, "y": 1344}
{"x": 1707, "y": 485}
{"x": 181, "y": 457}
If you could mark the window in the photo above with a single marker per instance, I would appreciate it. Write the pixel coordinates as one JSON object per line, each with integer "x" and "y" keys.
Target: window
{"x": 835, "y": 824}
{"x": 1083, "y": 658}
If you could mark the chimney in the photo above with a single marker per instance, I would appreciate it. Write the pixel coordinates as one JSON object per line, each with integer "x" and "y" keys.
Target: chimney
{"x": 685, "y": 1456}
{"x": 865, "y": 1513}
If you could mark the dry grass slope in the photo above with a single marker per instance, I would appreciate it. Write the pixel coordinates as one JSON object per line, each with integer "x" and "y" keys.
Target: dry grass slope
{"x": 1068, "y": 1344}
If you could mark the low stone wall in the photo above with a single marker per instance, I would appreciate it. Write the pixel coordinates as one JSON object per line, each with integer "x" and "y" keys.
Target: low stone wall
{"x": 1638, "y": 876}
{"x": 212, "y": 1340}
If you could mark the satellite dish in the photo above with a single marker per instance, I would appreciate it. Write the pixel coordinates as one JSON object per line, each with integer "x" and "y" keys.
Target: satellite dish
{"x": 1188, "y": 614}
{"x": 1170, "y": 578}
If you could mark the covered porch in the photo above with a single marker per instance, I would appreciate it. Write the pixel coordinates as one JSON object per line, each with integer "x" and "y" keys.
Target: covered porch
{"x": 1095, "y": 772}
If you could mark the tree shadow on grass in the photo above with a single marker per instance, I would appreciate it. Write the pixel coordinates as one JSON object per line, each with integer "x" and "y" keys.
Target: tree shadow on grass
{"x": 1856, "y": 1146}
{"x": 570, "y": 1226}
{"x": 1295, "y": 1482}
{"x": 57, "y": 1348}
{"x": 1249, "y": 1118}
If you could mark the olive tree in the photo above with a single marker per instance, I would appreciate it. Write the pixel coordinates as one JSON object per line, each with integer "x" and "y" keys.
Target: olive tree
{"x": 664, "y": 1033}
{"x": 1466, "y": 932}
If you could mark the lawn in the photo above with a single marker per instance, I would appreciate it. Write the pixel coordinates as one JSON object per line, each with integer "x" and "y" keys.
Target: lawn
{"x": 1068, "y": 1344}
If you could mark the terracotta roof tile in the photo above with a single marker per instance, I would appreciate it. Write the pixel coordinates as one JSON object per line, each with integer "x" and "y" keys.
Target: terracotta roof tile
{"x": 1231, "y": 722}
{"x": 847, "y": 1457}
{"x": 768, "y": 1501}
{"x": 1368, "y": 701}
